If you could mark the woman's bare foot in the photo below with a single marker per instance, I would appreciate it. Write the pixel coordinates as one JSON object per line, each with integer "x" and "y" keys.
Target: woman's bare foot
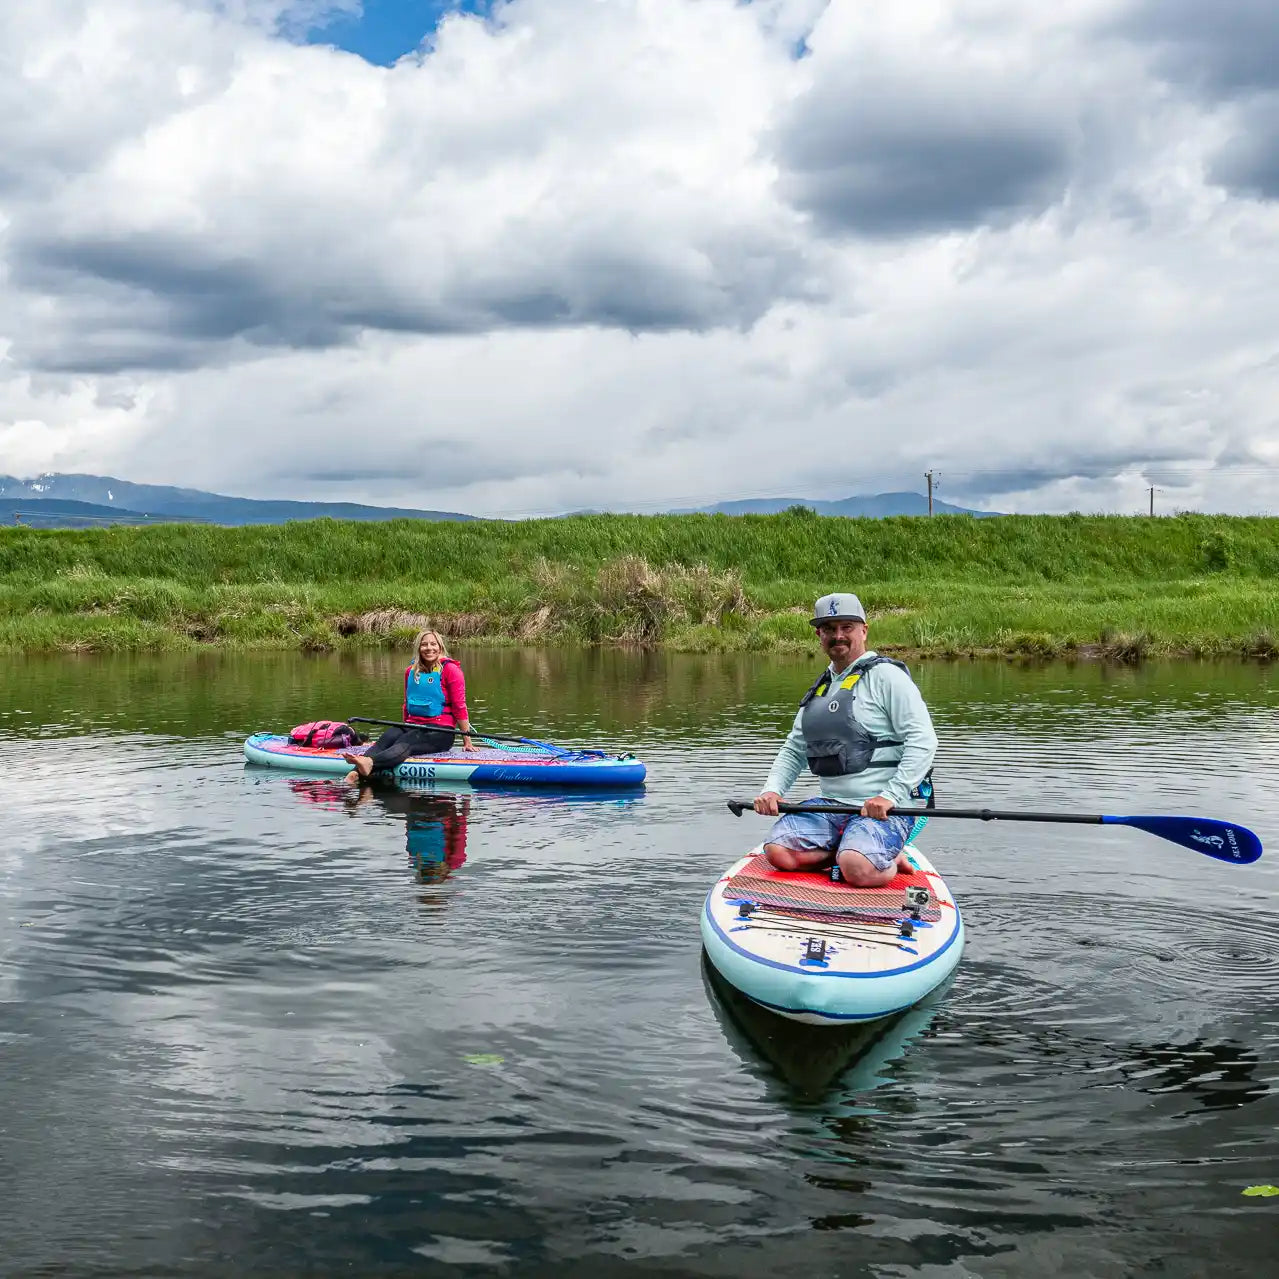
{"x": 362, "y": 764}
{"x": 351, "y": 778}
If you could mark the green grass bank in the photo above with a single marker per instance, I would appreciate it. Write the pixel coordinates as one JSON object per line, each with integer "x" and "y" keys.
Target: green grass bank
{"x": 1095, "y": 586}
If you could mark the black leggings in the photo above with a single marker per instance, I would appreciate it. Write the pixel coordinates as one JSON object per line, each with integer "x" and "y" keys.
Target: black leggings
{"x": 397, "y": 744}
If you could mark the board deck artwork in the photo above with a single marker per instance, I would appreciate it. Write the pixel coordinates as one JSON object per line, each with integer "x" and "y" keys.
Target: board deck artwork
{"x": 822, "y": 952}
{"x": 534, "y": 764}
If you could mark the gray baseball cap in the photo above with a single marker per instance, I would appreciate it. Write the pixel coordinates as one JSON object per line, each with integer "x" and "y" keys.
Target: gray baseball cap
{"x": 840, "y": 607}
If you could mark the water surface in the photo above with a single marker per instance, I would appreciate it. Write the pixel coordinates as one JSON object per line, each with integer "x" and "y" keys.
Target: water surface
{"x": 254, "y": 1023}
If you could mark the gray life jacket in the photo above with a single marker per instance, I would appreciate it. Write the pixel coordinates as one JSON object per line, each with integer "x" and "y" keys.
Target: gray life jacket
{"x": 835, "y": 743}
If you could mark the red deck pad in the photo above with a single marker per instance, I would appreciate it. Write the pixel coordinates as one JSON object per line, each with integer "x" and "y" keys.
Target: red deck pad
{"x": 807, "y": 893}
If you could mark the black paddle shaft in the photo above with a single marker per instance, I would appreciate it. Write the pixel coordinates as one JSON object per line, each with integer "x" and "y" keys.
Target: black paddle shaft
{"x": 738, "y": 807}
{"x": 457, "y": 732}
{"x": 475, "y": 732}
{"x": 1226, "y": 841}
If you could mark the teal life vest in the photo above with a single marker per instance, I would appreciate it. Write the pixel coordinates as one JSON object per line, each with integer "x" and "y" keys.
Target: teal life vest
{"x": 423, "y": 693}
{"x": 425, "y": 841}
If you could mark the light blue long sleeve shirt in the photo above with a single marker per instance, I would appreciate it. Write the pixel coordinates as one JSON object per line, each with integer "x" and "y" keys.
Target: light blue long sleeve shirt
{"x": 887, "y": 704}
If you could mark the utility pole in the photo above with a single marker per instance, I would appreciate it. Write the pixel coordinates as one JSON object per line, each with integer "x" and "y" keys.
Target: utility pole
{"x": 1152, "y": 499}
{"x": 929, "y": 476}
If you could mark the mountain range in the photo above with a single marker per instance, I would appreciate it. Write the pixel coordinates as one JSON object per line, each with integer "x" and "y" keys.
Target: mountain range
{"x": 875, "y": 506}
{"x": 83, "y": 501}
{"x": 125, "y": 502}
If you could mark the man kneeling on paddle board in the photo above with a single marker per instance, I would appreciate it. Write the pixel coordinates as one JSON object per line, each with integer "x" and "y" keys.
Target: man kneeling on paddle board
{"x": 865, "y": 732}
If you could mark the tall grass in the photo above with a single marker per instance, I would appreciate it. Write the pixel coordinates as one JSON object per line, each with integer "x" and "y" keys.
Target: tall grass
{"x": 1030, "y": 585}
{"x": 766, "y": 550}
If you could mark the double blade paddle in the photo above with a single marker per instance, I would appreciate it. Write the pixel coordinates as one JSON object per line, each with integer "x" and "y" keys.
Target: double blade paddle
{"x": 1226, "y": 841}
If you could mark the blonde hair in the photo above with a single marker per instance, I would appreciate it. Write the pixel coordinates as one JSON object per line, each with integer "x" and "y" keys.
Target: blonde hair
{"x": 418, "y": 668}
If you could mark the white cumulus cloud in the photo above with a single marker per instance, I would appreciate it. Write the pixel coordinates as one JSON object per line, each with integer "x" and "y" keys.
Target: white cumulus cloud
{"x": 643, "y": 253}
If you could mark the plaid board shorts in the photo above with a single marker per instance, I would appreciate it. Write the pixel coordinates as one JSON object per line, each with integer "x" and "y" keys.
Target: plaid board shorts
{"x": 878, "y": 841}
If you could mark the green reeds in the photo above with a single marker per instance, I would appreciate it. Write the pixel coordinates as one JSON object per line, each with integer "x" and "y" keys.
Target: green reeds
{"x": 1118, "y": 588}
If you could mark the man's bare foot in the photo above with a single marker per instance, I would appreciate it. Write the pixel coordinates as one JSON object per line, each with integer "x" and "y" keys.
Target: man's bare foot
{"x": 904, "y": 866}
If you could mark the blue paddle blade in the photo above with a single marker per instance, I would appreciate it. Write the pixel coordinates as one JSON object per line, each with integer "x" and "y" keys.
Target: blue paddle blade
{"x": 1223, "y": 840}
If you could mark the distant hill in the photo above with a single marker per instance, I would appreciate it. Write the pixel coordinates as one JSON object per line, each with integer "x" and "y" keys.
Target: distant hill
{"x": 46, "y": 513}
{"x": 875, "y": 506}
{"x": 83, "y": 501}
{"x": 154, "y": 502}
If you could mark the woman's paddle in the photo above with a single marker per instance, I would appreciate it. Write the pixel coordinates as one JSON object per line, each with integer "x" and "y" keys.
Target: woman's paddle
{"x": 1225, "y": 841}
{"x": 399, "y": 723}
{"x": 475, "y": 732}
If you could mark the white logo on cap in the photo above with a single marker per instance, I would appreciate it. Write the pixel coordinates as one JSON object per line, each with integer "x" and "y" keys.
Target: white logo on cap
{"x": 834, "y": 607}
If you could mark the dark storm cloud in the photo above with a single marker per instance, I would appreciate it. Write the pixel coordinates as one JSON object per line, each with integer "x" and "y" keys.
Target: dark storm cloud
{"x": 150, "y": 301}
{"x": 444, "y": 464}
{"x": 1224, "y": 52}
{"x": 1224, "y": 48}
{"x": 107, "y": 355}
{"x": 1152, "y": 462}
{"x": 1249, "y": 162}
{"x": 883, "y": 167}
{"x": 173, "y": 299}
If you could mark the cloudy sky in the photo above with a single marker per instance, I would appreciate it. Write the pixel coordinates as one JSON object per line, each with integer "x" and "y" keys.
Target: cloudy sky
{"x": 642, "y": 253}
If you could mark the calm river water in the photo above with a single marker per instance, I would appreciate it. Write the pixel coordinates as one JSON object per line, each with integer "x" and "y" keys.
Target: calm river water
{"x": 250, "y": 1026}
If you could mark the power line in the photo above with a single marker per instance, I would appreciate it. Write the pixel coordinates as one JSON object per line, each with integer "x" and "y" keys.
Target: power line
{"x": 29, "y": 516}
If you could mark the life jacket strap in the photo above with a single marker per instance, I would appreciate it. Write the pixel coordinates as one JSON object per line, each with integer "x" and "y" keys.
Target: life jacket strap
{"x": 821, "y": 685}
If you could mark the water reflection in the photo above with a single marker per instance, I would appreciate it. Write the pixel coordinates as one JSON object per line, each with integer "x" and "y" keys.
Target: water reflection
{"x": 813, "y": 1058}
{"x": 615, "y": 698}
{"x": 1216, "y": 1076}
{"x": 434, "y": 827}
{"x": 435, "y": 821}
{"x": 235, "y": 1036}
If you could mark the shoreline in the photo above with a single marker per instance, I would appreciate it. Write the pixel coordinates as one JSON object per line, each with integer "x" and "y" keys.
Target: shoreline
{"x": 88, "y": 633}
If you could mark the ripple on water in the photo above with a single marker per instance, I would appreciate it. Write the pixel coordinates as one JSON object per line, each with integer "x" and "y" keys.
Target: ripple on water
{"x": 244, "y": 997}
{"x": 1092, "y": 1001}
{"x": 1059, "y": 952}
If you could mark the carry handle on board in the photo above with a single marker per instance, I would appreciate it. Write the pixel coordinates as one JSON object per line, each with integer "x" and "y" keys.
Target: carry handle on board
{"x": 1226, "y": 841}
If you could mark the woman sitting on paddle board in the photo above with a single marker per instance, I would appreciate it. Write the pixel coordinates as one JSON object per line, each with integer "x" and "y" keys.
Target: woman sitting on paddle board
{"x": 434, "y": 706}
